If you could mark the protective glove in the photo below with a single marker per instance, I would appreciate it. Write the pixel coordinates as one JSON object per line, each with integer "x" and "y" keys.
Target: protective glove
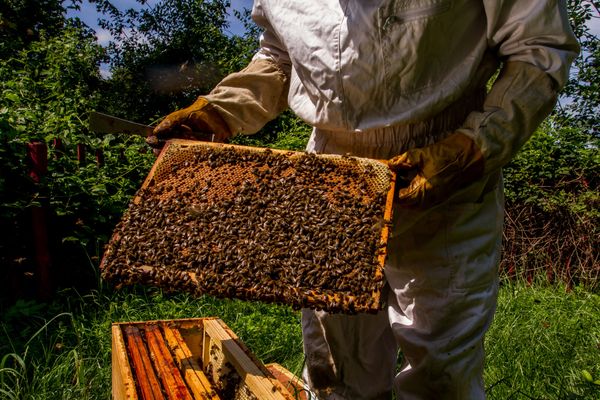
{"x": 436, "y": 171}
{"x": 200, "y": 121}
{"x": 520, "y": 99}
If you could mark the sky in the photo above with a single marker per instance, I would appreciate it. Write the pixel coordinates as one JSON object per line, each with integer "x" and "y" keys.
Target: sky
{"x": 89, "y": 15}
{"x": 594, "y": 25}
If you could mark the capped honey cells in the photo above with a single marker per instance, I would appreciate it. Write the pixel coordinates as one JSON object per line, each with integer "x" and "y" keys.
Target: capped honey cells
{"x": 258, "y": 224}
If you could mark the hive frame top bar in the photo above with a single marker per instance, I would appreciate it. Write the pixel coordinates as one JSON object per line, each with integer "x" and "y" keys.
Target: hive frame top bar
{"x": 184, "y": 357}
{"x": 183, "y": 143}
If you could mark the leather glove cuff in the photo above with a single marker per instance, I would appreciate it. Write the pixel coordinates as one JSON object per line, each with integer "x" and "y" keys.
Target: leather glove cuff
{"x": 520, "y": 99}
{"x": 199, "y": 121}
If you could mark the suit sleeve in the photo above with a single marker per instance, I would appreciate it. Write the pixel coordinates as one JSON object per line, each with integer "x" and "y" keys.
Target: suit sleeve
{"x": 537, "y": 46}
{"x": 250, "y": 98}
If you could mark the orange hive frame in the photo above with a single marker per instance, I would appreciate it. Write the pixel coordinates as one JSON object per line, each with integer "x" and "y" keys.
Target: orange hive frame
{"x": 381, "y": 180}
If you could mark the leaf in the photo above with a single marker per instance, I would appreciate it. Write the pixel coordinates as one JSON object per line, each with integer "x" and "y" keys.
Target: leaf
{"x": 99, "y": 189}
{"x": 11, "y": 96}
{"x": 71, "y": 239}
{"x": 587, "y": 376}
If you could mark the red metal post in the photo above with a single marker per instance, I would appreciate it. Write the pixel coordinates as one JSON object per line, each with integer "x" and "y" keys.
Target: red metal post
{"x": 38, "y": 157}
{"x": 99, "y": 157}
{"x": 81, "y": 153}
{"x": 58, "y": 148}
{"x": 37, "y": 152}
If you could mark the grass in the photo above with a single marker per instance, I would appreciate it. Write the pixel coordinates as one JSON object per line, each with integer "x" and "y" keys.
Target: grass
{"x": 62, "y": 350}
{"x": 542, "y": 341}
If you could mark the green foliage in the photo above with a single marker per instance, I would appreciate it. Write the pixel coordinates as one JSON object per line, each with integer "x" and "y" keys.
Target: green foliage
{"x": 45, "y": 92}
{"x": 95, "y": 196}
{"x": 583, "y": 88}
{"x": 169, "y": 54}
{"x": 559, "y": 167}
{"x": 48, "y": 88}
{"x": 552, "y": 207}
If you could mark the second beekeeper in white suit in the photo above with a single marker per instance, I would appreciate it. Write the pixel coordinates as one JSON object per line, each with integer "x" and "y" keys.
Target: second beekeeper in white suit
{"x": 406, "y": 81}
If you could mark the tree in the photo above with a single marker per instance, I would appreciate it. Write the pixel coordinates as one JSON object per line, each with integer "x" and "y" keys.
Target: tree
{"x": 583, "y": 89}
{"x": 21, "y": 22}
{"x": 169, "y": 54}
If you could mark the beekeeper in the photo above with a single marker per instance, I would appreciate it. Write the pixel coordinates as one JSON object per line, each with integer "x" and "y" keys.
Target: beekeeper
{"x": 406, "y": 81}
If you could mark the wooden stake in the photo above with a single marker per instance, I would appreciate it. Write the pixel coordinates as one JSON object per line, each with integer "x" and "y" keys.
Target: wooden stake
{"x": 81, "y": 151}
{"x": 59, "y": 149}
{"x": 99, "y": 157}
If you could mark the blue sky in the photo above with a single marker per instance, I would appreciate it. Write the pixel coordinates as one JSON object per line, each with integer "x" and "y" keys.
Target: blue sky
{"x": 89, "y": 15}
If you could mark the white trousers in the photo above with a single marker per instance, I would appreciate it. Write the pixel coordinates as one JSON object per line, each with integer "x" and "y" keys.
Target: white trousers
{"x": 442, "y": 281}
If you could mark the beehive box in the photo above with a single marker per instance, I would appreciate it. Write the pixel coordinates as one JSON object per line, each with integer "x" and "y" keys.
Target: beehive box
{"x": 277, "y": 226}
{"x": 198, "y": 358}
{"x": 294, "y": 385}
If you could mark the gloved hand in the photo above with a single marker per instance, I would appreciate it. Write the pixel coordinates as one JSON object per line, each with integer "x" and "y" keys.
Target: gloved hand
{"x": 196, "y": 122}
{"x": 437, "y": 171}
{"x": 521, "y": 97}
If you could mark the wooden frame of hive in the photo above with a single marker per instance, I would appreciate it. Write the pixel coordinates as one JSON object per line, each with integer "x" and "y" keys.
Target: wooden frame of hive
{"x": 171, "y": 358}
{"x": 312, "y": 297}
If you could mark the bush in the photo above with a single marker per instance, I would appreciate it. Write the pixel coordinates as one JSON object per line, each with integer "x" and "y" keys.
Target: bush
{"x": 47, "y": 89}
{"x": 552, "y": 213}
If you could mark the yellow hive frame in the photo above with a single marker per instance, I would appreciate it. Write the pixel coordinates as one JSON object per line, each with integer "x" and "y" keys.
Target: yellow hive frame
{"x": 175, "y": 146}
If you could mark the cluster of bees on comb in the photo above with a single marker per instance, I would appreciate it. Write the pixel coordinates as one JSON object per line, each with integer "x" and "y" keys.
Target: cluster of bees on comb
{"x": 227, "y": 382}
{"x": 293, "y": 228}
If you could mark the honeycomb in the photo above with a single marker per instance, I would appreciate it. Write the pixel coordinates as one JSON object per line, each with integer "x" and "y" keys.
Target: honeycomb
{"x": 259, "y": 224}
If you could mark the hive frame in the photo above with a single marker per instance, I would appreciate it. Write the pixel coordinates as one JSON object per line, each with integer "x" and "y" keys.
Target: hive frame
{"x": 312, "y": 297}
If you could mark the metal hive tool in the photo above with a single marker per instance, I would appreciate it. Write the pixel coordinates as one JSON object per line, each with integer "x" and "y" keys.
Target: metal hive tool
{"x": 259, "y": 224}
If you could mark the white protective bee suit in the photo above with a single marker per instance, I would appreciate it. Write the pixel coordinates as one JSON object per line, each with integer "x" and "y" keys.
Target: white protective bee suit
{"x": 376, "y": 78}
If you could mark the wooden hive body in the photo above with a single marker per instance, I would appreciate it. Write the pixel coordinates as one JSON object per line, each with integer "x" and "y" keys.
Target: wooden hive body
{"x": 195, "y": 359}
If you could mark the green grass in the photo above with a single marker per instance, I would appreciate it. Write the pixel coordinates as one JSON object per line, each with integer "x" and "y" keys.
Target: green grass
{"x": 62, "y": 350}
{"x": 539, "y": 346}
{"x": 541, "y": 342}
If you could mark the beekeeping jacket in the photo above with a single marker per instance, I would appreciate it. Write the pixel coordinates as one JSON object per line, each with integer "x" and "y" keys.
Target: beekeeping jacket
{"x": 375, "y": 78}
